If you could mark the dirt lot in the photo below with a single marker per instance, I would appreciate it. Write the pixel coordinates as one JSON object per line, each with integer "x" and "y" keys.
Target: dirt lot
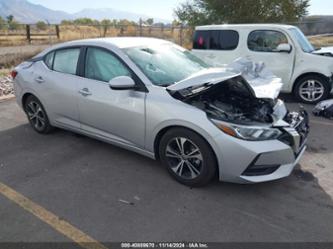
{"x": 115, "y": 195}
{"x": 12, "y": 56}
{"x": 322, "y": 41}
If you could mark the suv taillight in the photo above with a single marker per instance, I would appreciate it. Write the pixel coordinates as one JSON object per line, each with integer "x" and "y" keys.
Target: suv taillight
{"x": 13, "y": 74}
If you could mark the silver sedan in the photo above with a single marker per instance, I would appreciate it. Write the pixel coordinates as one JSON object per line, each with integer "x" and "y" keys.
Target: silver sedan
{"x": 157, "y": 99}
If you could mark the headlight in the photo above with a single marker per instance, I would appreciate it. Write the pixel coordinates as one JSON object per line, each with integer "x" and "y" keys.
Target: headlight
{"x": 250, "y": 133}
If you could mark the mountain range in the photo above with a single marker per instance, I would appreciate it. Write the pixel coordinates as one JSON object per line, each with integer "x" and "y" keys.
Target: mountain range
{"x": 29, "y": 13}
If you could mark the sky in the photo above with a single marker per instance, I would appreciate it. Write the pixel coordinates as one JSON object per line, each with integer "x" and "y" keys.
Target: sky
{"x": 157, "y": 8}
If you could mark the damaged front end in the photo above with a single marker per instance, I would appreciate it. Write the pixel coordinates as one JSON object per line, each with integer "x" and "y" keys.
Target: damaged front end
{"x": 232, "y": 104}
{"x": 231, "y": 101}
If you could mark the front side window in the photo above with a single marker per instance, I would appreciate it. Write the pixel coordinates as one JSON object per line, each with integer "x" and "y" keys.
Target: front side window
{"x": 266, "y": 40}
{"x": 165, "y": 64}
{"x": 216, "y": 40}
{"x": 65, "y": 60}
{"x": 302, "y": 40}
{"x": 103, "y": 66}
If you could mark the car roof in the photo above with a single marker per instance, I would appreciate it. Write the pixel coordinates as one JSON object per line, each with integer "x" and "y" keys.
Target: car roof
{"x": 120, "y": 42}
{"x": 244, "y": 26}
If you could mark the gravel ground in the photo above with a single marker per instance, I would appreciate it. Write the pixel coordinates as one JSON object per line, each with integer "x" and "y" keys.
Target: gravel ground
{"x": 6, "y": 86}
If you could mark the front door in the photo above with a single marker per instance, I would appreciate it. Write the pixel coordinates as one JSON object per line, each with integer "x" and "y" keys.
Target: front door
{"x": 262, "y": 45}
{"x": 118, "y": 115}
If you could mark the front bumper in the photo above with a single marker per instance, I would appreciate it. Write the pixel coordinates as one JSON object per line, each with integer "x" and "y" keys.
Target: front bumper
{"x": 261, "y": 161}
{"x": 280, "y": 172}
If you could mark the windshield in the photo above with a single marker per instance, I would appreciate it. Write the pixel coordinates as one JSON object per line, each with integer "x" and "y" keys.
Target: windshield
{"x": 165, "y": 64}
{"x": 302, "y": 40}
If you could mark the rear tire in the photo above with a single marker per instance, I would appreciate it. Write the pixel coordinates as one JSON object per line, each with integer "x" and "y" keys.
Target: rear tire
{"x": 37, "y": 116}
{"x": 188, "y": 157}
{"x": 312, "y": 89}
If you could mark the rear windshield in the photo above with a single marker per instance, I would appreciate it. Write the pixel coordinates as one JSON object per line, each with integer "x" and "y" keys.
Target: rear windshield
{"x": 216, "y": 39}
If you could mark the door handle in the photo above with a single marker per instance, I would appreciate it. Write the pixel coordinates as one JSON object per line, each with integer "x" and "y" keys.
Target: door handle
{"x": 39, "y": 79}
{"x": 85, "y": 92}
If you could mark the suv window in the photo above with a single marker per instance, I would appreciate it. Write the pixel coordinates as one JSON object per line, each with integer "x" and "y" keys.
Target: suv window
{"x": 65, "y": 60}
{"x": 103, "y": 66}
{"x": 265, "y": 40}
{"x": 216, "y": 39}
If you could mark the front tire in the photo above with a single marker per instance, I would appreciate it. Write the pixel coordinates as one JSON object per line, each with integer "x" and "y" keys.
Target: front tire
{"x": 188, "y": 157}
{"x": 37, "y": 116}
{"x": 312, "y": 89}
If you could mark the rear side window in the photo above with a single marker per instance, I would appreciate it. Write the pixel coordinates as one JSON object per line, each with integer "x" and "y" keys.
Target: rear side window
{"x": 48, "y": 60}
{"x": 103, "y": 66}
{"x": 216, "y": 39}
{"x": 265, "y": 40}
{"x": 65, "y": 60}
{"x": 201, "y": 40}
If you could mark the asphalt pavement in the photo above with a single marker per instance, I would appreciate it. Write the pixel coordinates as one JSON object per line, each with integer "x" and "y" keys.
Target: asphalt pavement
{"x": 111, "y": 194}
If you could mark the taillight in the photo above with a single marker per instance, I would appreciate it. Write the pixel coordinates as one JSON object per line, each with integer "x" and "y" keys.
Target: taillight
{"x": 13, "y": 74}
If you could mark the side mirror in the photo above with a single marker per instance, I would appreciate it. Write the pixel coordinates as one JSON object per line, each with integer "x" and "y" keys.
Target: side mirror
{"x": 284, "y": 48}
{"x": 122, "y": 83}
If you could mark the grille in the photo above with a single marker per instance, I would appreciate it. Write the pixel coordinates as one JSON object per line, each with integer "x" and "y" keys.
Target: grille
{"x": 299, "y": 124}
{"x": 303, "y": 130}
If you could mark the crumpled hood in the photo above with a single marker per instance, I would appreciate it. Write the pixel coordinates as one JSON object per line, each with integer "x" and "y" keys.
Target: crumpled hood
{"x": 324, "y": 50}
{"x": 263, "y": 83}
{"x": 211, "y": 76}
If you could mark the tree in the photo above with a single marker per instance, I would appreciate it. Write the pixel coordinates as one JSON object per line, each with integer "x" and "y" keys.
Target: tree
{"x": 85, "y": 21}
{"x": 10, "y": 18}
{"x": 66, "y": 22}
{"x": 125, "y": 22}
{"x": 199, "y": 12}
{"x": 41, "y": 25}
{"x": 149, "y": 21}
{"x": 176, "y": 23}
{"x": 106, "y": 22}
{"x": 12, "y": 24}
{"x": 2, "y": 23}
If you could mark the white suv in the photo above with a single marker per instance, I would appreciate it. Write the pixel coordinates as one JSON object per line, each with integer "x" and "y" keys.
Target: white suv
{"x": 284, "y": 49}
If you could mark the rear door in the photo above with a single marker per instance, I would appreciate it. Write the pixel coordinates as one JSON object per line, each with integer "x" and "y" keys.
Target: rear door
{"x": 57, "y": 82}
{"x": 262, "y": 45}
{"x": 117, "y": 115}
{"x": 216, "y": 47}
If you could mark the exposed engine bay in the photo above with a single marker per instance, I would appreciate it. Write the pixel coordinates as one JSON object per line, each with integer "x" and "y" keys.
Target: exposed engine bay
{"x": 231, "y": 101}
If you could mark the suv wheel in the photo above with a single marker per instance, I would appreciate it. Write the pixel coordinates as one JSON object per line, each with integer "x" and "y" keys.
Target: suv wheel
{"x": 312, "y": 89}
{"x": 188, "y": 157}
{"x": 37, "y": 115}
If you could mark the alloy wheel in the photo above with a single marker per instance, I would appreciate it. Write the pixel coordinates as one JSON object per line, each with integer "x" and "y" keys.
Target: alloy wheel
{"x": 184, "y": 158}
{"x": 36, "y": 115}
{"x": 311, "y": 90}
